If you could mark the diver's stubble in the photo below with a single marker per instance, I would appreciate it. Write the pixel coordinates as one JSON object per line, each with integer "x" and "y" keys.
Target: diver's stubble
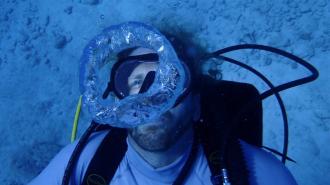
{"x": 159, "y": 135}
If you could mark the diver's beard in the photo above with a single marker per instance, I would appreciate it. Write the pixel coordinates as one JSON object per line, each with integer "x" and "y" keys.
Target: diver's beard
{"x": 160, "y": 135}
{"x": 152, "y": 138}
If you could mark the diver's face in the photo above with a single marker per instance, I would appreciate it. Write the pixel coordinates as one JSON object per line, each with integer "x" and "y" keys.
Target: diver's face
{"x": 162, "y": 133}
{"x": 135, "y": 80}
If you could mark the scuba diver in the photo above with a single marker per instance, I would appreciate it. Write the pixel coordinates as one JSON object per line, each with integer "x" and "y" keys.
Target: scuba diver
{"x": 159, "y": 121}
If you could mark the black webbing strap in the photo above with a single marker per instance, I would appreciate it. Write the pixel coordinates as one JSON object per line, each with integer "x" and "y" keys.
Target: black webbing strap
{"x": 107, "y": 158}
{"x": 188, "y": 165}
{"x": 146, "y": 57}
{"x": 76, "y": 153}
{"x": 212, "y": 139}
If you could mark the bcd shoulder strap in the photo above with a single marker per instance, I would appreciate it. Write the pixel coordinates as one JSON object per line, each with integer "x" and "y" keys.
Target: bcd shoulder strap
{"x": 107, "y": 158}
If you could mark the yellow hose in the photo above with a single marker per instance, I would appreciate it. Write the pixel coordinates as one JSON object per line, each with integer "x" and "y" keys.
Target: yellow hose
{"x": 76, "y": 120}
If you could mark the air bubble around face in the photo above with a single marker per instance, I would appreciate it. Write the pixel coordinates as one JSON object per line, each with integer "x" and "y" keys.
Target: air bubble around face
{"x": 135, "y": 109}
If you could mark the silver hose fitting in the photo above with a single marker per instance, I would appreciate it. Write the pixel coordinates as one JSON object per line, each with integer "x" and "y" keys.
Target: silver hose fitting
{"x": 225, "y": 179}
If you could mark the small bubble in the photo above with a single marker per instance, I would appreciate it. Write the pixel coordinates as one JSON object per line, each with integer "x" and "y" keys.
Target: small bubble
{"x": 68, "y": 10}
{"x": 268, "y": 61}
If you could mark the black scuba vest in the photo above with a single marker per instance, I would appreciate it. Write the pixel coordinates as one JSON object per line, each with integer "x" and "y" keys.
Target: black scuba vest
{"x": 101, "y": 171}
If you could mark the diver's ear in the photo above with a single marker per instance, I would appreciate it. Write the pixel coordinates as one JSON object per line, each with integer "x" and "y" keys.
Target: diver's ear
{"x": 197, "y": 107}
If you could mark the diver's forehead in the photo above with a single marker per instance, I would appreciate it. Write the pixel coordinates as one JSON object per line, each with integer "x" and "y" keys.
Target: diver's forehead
{"x": 142, "y": 69}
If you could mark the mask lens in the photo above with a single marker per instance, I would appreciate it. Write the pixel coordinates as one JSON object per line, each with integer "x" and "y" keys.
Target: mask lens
{"x": 136, "y": 76}
{"x": 133, "y": 77}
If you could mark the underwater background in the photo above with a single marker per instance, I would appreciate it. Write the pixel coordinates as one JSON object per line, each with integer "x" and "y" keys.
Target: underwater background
{"x": 41, "y": 42}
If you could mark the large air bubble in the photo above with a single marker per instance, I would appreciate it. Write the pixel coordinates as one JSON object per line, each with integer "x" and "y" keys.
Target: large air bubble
{"x": 135, "y": 109}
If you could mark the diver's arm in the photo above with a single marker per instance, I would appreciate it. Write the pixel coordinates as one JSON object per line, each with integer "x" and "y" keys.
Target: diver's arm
{"x": 267, "y": 169}
{"x": 54, "y": 172}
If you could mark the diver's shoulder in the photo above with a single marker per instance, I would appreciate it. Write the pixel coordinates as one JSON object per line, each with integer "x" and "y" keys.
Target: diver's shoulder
{"x": 53, "y": 173}
{"x": 93, "y": 142}
{"x": 267, "y": 169}
{"x": 88, "y": 151}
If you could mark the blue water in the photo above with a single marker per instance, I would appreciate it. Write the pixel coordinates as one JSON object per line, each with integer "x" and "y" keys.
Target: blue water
{"x": 41, "y": 42}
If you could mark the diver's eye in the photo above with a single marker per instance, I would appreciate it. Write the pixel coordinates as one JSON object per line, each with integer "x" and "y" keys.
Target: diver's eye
{"x": 136, "y": 83}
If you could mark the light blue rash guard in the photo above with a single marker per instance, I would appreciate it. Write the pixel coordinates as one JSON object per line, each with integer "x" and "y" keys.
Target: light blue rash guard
{"x": 134, "y": 170}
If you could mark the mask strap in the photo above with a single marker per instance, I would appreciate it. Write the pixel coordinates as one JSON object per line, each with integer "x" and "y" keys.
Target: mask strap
{"x": 147, "y": 57}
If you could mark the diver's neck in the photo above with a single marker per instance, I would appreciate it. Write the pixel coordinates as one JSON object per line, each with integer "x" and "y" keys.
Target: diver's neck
{"x": 159, "y": 159}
